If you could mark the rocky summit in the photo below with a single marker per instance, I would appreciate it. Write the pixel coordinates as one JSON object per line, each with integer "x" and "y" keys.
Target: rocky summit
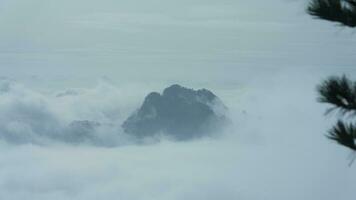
{"x": 179, "y": 113}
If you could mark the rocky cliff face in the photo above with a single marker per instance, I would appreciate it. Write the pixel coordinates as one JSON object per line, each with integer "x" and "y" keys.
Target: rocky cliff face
{"x": 179, "y": 113}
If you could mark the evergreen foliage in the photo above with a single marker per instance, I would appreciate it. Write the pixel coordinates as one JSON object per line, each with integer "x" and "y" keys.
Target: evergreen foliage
{"x": 342, "y": 11}
{"x": 344, "y": 134}
{"x": 340, "y": 92}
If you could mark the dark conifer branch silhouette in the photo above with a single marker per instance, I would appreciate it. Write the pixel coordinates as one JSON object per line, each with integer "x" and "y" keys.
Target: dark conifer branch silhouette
{"x": 340, "y": 92}
{"x": 342, "y": 11}
{"x": 344, "y": 134}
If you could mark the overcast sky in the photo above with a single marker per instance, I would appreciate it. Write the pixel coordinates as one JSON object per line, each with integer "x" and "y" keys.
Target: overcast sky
{"x": 262, "y": 58}
{"x": 166, "y": 40}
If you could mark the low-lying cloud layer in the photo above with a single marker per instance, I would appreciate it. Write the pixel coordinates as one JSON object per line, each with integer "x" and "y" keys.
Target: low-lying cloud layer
{"x": 73, "y": 116}
{"x": 275, "y": 150}
{"x": 263, "y": 59}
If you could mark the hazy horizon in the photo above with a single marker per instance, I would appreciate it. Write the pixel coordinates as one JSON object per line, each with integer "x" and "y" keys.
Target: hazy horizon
{"x": 63, "y": 61}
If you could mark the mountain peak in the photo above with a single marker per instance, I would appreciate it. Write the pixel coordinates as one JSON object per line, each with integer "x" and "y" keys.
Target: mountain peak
{"x": 179, "y": 112}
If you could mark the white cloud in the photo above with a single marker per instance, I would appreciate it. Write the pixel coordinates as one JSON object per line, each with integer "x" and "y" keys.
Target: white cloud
{"x": 276, "y": 150}
{"x": 263, "y": 59}
{"x": 29, "y": 116}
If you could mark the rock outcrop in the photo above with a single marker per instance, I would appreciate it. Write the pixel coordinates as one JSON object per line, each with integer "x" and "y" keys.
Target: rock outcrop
{"x": 179, "y": 113}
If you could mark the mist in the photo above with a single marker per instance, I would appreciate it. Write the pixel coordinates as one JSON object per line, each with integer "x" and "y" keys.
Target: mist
{"x": 66, "y": 61}
{"x": 275, "y": 149}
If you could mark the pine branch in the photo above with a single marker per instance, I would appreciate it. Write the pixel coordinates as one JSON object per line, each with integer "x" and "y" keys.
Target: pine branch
{"x": 342, "y": 11}
{"x": 344, "y": 134}
{"x": 340, "y": 92}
